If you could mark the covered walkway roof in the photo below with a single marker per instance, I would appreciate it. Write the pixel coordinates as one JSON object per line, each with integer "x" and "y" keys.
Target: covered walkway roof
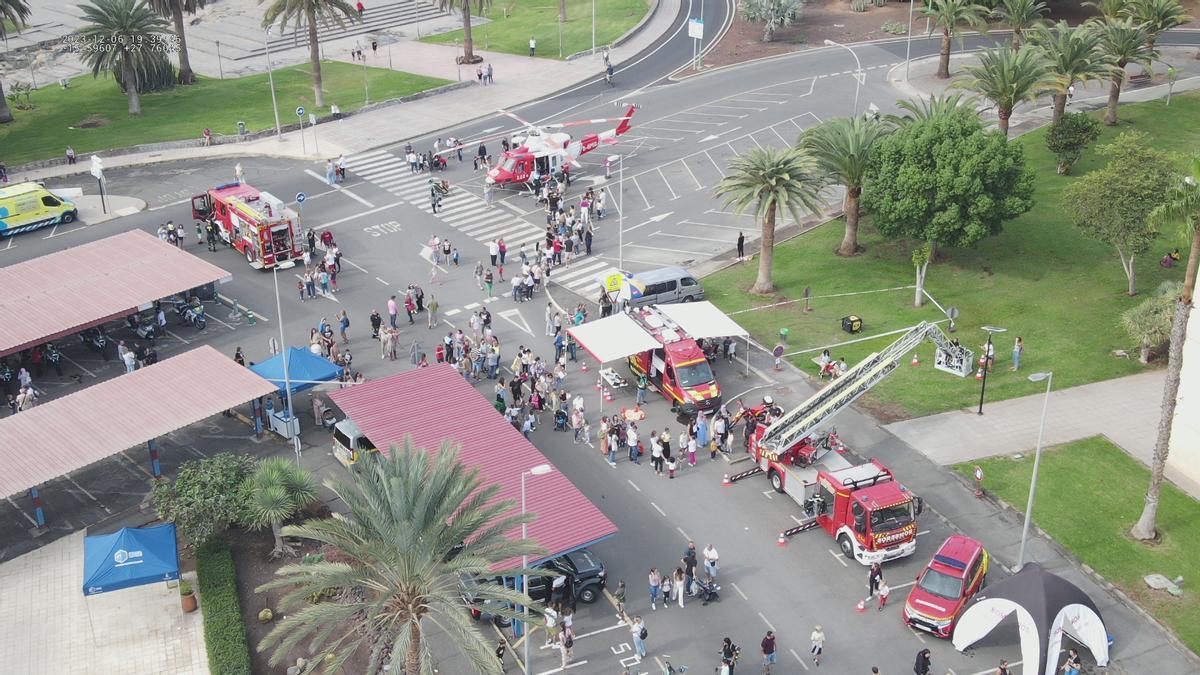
{"x": 84, "y": 286}
{"x": 69, "y": 433}
{"x": 436, "y": 404}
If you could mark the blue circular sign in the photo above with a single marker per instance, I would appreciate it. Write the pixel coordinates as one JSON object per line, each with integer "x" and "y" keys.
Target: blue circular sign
{"x": 299, "y": 111}
{"x": 300, "y": 197}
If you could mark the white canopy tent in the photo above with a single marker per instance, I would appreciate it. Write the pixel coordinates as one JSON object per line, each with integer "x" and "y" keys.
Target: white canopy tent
{"x": 612, "y": 338}
{"x": 704, "y": 320}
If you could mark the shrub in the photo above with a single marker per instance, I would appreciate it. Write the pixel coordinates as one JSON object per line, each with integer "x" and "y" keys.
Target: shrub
{"x": 894, "y": 27}
{"x": 859, "y": 5}
{"x": 224, "y": 631}
{"x": 880, "y": 3}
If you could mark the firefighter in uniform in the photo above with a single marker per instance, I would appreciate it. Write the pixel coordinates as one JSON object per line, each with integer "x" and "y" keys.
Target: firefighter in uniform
{"x": 54, "y": 358}
{"x": 212, "y": 235}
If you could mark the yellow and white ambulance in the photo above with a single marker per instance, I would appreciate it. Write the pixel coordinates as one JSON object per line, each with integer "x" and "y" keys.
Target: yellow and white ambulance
{"x": 28, "y": 206}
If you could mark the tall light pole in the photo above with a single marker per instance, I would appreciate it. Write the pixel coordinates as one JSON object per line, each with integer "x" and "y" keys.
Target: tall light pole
{"x": 621, "y": 206}
{"x": 908, "y": 39}
{"x": 987, "y": 365}
{"x": 539, "y": 470}
{"x": 859, "y": 73}
{"x": 287, "y": 380}
{"x": 1037, "y": 459}
{"x": 271, "y": 79}
{"x": 560, "y": 54}
{"x": 594, "y": 29}
{"x": 366, "y": 89}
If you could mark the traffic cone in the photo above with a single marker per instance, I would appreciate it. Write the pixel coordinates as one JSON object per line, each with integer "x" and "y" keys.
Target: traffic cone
{"x": 916, "y": 360}
{"x": 861, "y": 606}
{"x": 982, "y": 361}
{"x": 583, "y": 367}
{"x": 725, "y": 482}
{"x": 979, "y": 374}
{"x": 782, "y": 541}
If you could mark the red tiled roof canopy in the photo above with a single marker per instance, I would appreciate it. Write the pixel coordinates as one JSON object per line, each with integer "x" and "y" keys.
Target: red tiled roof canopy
{"x": 436, "y": 404}
{"x": 65, "y": 292}
{"x": 69, "y": 433}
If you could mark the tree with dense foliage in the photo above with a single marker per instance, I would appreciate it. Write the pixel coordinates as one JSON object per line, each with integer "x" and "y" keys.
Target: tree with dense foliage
{"x": 1068, "y": 137}
{"x": 772, "y": 14}
{"x": 1113, "y": 204}
{"x": 1021, "y": 16}
{"x": 842, "y": 147}
{"x": 413, "y": 525}
{"x": 1008, "y": 78}
{"x": 1158, "y": 16}
{"x": 1122, "y": 41}
{"x": 174, "y": 10}
{"x": 770, "y": 180}
{"x": 1181, "y": 206}
{"x": 307, "y": 14}
{"x": 1149, "y": 323}
{"x": 207, "y": 496}
{"x": 921, "y": 109}
{"x": 278, "y": 490}
{"x": 1074, "y": 56}
{"x": 950, "y": 16}
{"x": 13, "y": 12}
{"x": 463, "y": 7}
{"x": 945, "y": 181}
{"x": 123, "y": 37}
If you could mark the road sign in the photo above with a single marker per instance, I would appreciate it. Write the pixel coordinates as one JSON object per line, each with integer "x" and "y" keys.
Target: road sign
{"x": 300, "y": 197}
{"x": 613, "y": 282}
{"x": 696, "y": 29}
{"x": 97, "y": 167}
{"x": 299, "y": 111}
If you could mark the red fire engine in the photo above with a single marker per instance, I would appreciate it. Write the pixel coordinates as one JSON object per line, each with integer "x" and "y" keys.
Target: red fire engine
{"x": 678, "y": 367}
{"x": 258, "y": 224}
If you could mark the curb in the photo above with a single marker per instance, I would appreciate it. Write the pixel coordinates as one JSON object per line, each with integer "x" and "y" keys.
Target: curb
{"x": 233, "y": 303}
{"x": 624, "y": 38}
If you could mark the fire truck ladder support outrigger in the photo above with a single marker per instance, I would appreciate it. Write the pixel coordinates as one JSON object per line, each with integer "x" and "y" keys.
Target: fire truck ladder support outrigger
{"x": 805, "y": 419}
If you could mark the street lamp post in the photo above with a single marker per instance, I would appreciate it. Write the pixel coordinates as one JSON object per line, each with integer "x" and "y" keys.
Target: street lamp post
{"x": 539, "y": 470}
{"x": 859, "y": 73}
{"x": 621, "y": 206}
{"x": 593, "y": 27}
{"x": 1037, "y": 459}
{"x": 908, "y": 39}
{"x": 287, "y": 381}
{"x": 987, "y": 349}
{"x": 366, "y": 88}
{"x": 560, "y": 54}
{"x": 271, "y": 80}
{"x": 220, "y": 65}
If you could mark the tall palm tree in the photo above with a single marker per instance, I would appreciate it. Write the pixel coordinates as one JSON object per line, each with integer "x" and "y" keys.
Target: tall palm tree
{"x": 278, "y": 489}
{"x": 949, "y": 17}
{"x": 768, "y": 180}
{"x": 1111, "y": 9}
{"x": 132, "y": 32}
{"x": 173, "y": 10}
{"x": 1021, "y": 15}
{"x": 1008, "y": 78}
{"x": 1158, "y": 16}
{"x": 15, "y": 11}
{"x": 414, "y": 524}
{"x": 1182, "y": 206}
{"x": 921, "y": 109}
{"x": 842, "y": 147}
{"x": 1123, "y": 42}
{"x": 1074, "y": 55}
{"x": 464, "y": 7}
{"x": 308, "y": 13}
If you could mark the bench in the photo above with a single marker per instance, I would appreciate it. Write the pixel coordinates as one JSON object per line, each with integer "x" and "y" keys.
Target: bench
{"x": 1140, "y": 80}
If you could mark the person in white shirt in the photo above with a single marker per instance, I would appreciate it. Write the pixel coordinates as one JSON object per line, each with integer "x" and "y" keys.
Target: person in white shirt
{"x": 711, "y": 560}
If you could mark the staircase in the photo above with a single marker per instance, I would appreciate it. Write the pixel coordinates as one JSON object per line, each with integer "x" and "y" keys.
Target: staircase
{"x": 375, "y": 19}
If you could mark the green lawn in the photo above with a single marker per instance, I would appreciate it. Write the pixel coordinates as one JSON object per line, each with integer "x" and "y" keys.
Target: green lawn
{"x": 184, "y": 112}
{"x": 1039, "y": 278}
{"x": 539, "y": 18}
{"x": 1089, "y": 494}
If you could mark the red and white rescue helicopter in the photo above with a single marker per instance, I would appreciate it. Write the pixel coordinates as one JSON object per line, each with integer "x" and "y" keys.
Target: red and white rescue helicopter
{"x": 539, "y": 151}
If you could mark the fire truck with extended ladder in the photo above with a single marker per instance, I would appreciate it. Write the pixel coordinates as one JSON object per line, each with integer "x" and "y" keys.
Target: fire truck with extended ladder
{"x": 870, "y": 514}
{"x": 256, "y": 223}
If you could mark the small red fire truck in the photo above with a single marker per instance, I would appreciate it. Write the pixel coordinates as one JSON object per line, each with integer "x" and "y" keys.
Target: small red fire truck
{"x": 678, "y": 367}
{"x": 258, "y": 224}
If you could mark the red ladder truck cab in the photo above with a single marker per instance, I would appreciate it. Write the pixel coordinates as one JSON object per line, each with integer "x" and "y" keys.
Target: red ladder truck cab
{"x": 258, "y": 224}
{"x": 870, "y": 514}
{"x": 677, "y": 367}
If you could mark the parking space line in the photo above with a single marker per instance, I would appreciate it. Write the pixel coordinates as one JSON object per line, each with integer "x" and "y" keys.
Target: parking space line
{"x": 766, "y": 621}
{"x": 714, "y": 163}
{"x": 90, "y": 495}
{"x": 793, "y": 651}
{"x": 708, "y": 114}
{"x": 796, "y": 124}
{"x": 723, "y": 227}
{"x": 668, "y": 184}
{"x": 22, "y": 511}
{"x": 339, "y": 221}
{"x": 657, "y": 138}
{"x": 681, "y": 131}
{"x": 838, "y": 557}
{"x": 689, "y": 170}
{"x": 660, "y": 233}
{"x": 635, "y": 487}
{"x": 785, "y": 141}
{"x": 733, "y": 107}
{"x": 210, "y": 316}
{"x": 739, "y": 591}
{"x": 382, "y": 281}
{"x": 896, "y": 588}
{"x": 660, "y": 248}
{"x": 77, "y": 365}
{"x": 707, "y": 124}
{"x": 559, "y": 670}
{"x": 917, "y": 635}
{"x": 177, "y": 337}
{"x": 685, "y": 534}
{"x": 660, "y": 511}
{"x": 643, "y": 194}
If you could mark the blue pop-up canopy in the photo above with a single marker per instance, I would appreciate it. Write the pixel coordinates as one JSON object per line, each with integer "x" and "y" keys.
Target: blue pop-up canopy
{"x": 129, "y": 557}
{"x": 304, "y": 369}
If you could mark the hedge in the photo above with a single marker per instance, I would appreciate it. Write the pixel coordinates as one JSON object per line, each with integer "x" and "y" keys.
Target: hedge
{"x": 224, "y": 630}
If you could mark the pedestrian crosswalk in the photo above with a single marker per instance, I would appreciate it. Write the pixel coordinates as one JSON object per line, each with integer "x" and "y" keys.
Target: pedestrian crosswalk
{"x": 470, "y": 215}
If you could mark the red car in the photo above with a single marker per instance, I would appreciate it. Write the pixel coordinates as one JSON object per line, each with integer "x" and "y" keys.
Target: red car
{"x": 955, "y": 574}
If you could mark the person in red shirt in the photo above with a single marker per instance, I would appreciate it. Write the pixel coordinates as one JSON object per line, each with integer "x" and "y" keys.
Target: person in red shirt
{"x": 768, "y": 650}
{"x": 360, "y": 8}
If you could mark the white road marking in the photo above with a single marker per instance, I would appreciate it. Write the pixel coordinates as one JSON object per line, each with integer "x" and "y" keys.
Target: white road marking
{"x": 668, "y": 184}
{"x": 917, "y": 635}
{"x": 914, "y": 581}
{"x": 186, "y": 342}
{"x": 59, "y": 234}
{"x": 22, "y": 511}
{"x": 635, "y": 487}
{"x": 452, "y": 312}
{"x": 185, "y": 200}
{"x": 643, "y": 194}
{"x": 660, "y": 511}
{"x": 922, "y": 532}
{"x": 360, "y": 268}
{"x": 339, "y": 221}
{"x": 90, "y": 495}
{"x": 213, "y": 318}
{"x": 70, "y": 360}
{"x": 682, "y": 236}
{"x": 793, "y": 651}
{"x": 559, "y": 670}
{"x": 837, "y": 555}
{"x": 660, "y": 248}
{"x": 769, "y": 494}
{"x": 685, "y": 534}
{"x": 382, "y": 281}
{"x": 689, "y": 170}
{"x": 473, "y": 305}
{"x": 519, "y": 321}
{"x": 739, "y": 591}
{"x": 766, "y": 621}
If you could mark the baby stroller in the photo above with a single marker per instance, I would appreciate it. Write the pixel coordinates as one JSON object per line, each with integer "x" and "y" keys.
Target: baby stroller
{"x": 708, "y": 592}
{"x": 560, "y": 420}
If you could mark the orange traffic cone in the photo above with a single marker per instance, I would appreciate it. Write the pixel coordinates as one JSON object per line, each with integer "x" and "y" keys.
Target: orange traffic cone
{"x": 725, "y": 482}
{"x": 916, "y": 360}
{"x": 583, "y": 367}
{"x": 979, "y": 374}
{"x": 861, "y": 606}
{"x": 982, "y": 361}
{"x": 782, "y": 541}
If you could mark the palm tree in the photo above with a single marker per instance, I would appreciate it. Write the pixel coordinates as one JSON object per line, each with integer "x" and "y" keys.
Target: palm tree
{"x": 1182, "y": 206}
{"x": 414, "y": 524}
{"x": 1123, "y": 42}
{"x": 15, "y": 11}
{"x": 132, "y": 32}
{"x": 464, "y": 6}
{"x": 921, "y": 109}
{"x": 842, "y": 147}
{"x": 1158, "y": 16}
{"x": 307, "y": 13}
{"x": 1074, "y": 55}
{"x": 1111, "y": 9}
{"x": 173, "y": 10}
{"x": 949, "y": 15}
{"x": 278, "y": 489}
{"x": 1021, "y": 15}
{"x": 768, "y": 180}
{"x": 1008, "y": 78}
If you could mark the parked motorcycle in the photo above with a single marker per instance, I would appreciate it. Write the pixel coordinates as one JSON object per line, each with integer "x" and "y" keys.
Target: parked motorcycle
{"x": 97, "y": 341}
{"x": 8, "y": 378}
{"x": 54, "y": 357}
{"x": 191, "y": 313}
{"x": 145, "y": 329}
